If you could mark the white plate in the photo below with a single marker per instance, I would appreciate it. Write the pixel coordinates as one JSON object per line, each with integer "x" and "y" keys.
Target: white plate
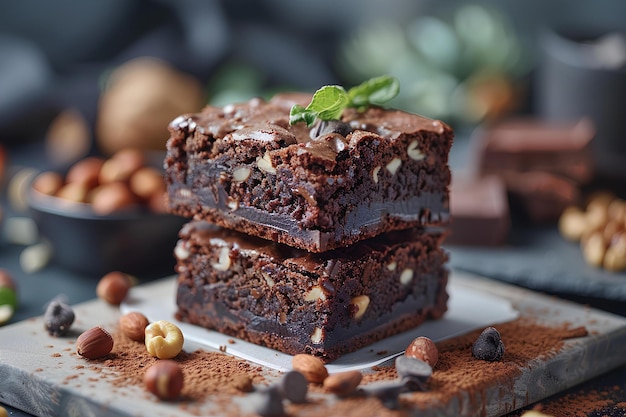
{"x": 468, "y": 309}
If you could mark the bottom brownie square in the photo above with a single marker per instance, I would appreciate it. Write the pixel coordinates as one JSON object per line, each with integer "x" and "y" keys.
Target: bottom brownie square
{"x": 325, "y": 304}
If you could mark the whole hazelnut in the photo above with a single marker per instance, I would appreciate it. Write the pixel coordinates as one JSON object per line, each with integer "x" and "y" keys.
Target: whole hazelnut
{"x": 85, "y": 171}
{"x": 94, "y": 343}
{"x": 113, "y": 287}
{"x": 48, "y": 182}
{"x": 146, "y": 182}
{"x": 424, "y": 349}
{"x": 134, "y": 325}
{"x": 111, "y": 197}
{"x": 164, "y": 379}
{"x": 73, "y": 191}
{"x": 121, "y": 165}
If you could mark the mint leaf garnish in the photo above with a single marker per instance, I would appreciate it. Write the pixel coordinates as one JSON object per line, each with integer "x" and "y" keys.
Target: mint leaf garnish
{"x": 377, "y": 91}
{"x": 329, "y": 101}
{"x": 327, "y": 104}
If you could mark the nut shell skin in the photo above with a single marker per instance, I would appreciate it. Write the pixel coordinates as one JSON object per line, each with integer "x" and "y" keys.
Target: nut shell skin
{"x": 424, "y": 349}
{"x": 133, "y": 325}
{"x": 113, "y": 287}
{"x": 164, "y": 379}
{"x": 94, "y": 343}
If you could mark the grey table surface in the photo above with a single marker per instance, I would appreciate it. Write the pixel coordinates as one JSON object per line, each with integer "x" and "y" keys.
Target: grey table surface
{"x": 534, "y": 257}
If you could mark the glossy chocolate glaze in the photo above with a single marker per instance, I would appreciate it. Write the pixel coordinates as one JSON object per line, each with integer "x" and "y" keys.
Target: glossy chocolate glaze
{"x": 315, "y": 188}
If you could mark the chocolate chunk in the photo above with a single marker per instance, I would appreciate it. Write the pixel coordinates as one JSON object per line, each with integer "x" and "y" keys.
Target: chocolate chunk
{"x": 488, "y": 346}
{"x": 268, "y": 402}
{"x": 414, "y": 372}
{"x": 330, "y": 126}
{"x": 293, "y": 387}
{"x": 479, "y": 210}
{"x": 58, "y": 318}
{"x": 387, "y": 392}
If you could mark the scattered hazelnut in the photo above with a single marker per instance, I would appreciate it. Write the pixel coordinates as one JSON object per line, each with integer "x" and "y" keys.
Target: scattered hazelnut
{"x": 113, "y": 287}
{"x": 594, "y": 248}
{"x": 133, "y": 325}
{"x": 310, "y": 366}
{"x": 94, "y": 343}
{"x": 164, "y": 379}
{"x": 3, "y": 412}
{"x": 343, "y": 383}
{"x": 35, "y": 257}
{"x": 163, "y": 339}
{"x": 424, "y": 349}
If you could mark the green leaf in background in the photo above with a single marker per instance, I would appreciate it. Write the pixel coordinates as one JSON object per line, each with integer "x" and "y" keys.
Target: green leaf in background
{"x": 376, "y": 90}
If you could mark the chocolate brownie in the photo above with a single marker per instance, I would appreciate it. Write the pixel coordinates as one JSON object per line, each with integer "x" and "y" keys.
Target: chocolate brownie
{"x": 480, "y": 211}
{"x": 532, "y": 145}
{"x": 244, "y": 167}
{"x": 295, "y": 301}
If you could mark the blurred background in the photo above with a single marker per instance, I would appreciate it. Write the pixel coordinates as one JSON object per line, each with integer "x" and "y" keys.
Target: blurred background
{"x": 463, "y": 62}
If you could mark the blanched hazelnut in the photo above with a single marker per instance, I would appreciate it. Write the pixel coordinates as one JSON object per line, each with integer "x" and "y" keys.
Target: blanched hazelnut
{"x": 573, "y": 223}
{"x": 359, "y": 305}
{"x": 164, "y": 339}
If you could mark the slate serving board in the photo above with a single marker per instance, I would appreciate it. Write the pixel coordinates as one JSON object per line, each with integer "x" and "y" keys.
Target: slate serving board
{"x": 38, "y": 374}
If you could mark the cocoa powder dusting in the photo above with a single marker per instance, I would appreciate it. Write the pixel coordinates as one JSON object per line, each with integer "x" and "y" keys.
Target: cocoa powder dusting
{"x": 205, "y": 373}
{"x": 218, "y": 376}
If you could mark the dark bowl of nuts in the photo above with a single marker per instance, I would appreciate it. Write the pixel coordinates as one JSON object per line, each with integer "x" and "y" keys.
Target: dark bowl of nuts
{"x": 105, "y": 214}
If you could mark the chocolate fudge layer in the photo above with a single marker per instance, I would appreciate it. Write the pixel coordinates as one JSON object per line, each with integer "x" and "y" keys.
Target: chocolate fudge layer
{"x": 245, "y": 168}
{"x": 296, "y": 301}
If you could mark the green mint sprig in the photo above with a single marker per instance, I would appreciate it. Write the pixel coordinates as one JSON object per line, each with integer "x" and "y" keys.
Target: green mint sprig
{"x": 329, "y": 101}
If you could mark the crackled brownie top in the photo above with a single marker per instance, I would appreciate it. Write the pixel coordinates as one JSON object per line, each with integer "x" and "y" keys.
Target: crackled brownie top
{"x": 246, "y": 168}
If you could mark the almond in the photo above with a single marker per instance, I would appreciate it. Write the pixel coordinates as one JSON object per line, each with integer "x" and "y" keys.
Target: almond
{"x": 94, "y": 343}
{"x": 343, "y": 383}
{"x": 311, "y": 367}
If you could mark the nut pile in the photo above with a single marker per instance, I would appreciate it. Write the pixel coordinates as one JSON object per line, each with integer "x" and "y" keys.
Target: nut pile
{"x": 600, "y": 230}
{"x": 121, "y": 182}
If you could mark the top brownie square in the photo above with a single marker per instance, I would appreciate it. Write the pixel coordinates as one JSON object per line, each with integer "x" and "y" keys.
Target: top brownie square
{"x": 244, "y": 167}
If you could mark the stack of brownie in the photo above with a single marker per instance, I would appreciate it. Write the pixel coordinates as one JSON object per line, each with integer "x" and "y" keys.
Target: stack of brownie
{"x": 313, "y": 240}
